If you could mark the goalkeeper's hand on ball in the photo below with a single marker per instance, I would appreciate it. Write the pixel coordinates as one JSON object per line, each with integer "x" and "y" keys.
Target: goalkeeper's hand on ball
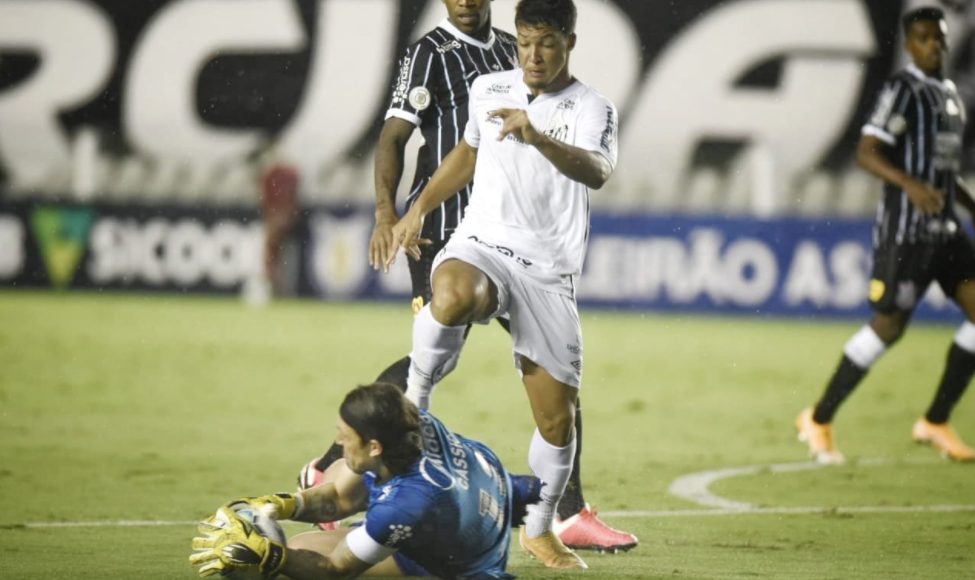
{"x": 229, "y": 545}
{"x": 279, "y": 506}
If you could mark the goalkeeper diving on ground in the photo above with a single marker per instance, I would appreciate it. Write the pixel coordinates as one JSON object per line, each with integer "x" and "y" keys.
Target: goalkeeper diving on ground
{"x": 435, "y": 503}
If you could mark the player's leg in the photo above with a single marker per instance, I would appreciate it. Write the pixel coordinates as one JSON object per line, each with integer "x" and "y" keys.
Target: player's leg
{"x": 900, "y": 275}
{"x": 957, "y": 278}
{"x": 395, "y": 373}
{"x": 550, "y": 459}
{"x": 462, "y": 294}
{"x": 305, "y": 552}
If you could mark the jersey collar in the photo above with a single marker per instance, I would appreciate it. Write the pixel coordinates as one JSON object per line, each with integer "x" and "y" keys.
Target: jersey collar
{"x": 447, "y": 25}
{"x": 913, "y": 70}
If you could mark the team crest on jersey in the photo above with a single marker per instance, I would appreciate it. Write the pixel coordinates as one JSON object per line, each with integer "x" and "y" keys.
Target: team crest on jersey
{"x": 419, "y": 98}
{"x": 417, "y": 305}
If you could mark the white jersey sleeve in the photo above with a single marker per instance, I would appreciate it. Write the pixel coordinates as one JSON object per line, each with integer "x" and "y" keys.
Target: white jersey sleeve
{"x": 598, "y": 127}
{"x": 472, "y": 133}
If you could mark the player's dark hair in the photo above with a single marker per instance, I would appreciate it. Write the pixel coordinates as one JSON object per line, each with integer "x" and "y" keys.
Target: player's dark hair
{"x": 925, "y": 14}
{"x": 380, "y": 411}
{"x": 559, "y": 14}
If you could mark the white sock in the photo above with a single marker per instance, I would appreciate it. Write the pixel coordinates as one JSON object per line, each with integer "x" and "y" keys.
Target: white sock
{"x": 436, "y": 350}
{"x": 965, "y": 337}
{"x": 864, "y": 348}
{"x": 552, "y": 465}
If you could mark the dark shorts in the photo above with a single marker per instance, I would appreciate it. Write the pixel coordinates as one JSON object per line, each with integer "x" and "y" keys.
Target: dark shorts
{"x": 902, "y": 273}
{"x": 420, "y": 273}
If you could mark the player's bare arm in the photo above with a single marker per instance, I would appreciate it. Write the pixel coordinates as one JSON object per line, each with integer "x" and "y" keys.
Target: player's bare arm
{"x": 870, "y": 156}
{"x": 340, "y": 498}
{"x": 456, "y": 171}
{"x": 311, "y": 565}
{"x": 587, "y": 167}
{"x": 388, "y": 172}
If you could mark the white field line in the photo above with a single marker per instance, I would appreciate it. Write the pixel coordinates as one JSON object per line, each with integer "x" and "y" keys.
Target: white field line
{"x": 694, "y": 487}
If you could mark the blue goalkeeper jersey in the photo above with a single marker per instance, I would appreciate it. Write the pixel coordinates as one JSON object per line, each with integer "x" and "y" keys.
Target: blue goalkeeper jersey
{"x": 451, "y": 512}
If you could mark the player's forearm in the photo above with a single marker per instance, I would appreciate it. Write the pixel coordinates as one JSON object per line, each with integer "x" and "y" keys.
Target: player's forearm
{"x": 456, "y": 171}
{"x": 311, "y": 565}
{"x": 389, "y": 165}
{"x": 587, "y": 167}
{"x": 323, "y": 504}
{"x": 870, "y": 157}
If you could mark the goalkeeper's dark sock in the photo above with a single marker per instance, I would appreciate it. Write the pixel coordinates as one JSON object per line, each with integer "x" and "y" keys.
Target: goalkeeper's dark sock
{"x": 396, "y": 373}
{"x": 572, "y": 501}
{"x": 333, "y": 454}
{"x": 525, "y": 490}
{"x": 958, "y": 373}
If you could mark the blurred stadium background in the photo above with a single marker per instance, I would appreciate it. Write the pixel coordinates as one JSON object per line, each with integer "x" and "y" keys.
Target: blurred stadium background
{"x": 131, "y": 144}
{"x": 132, "y": 138}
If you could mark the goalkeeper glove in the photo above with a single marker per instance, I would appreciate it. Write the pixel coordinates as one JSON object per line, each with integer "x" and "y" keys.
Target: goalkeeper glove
{"x": 230, "y": 545}
{"x": 280, "y": 506}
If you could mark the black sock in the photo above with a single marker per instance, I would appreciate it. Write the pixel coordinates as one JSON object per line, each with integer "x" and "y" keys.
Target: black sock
{"x": 396, "y": 373}
{"x": 958, "y": 373}
{"x": 572, "y": 501}
{"x": 846, "y": 378}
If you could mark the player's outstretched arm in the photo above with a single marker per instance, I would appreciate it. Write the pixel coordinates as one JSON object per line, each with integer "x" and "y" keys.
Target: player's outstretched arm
{"x": 336, "y": 499}
{"x": 870, "y": 156}
{"x": 590, "y": 168}
{"x": 313, "y": 565}
{"x": 456, "y": 171}
{"x": 388, "y": 172}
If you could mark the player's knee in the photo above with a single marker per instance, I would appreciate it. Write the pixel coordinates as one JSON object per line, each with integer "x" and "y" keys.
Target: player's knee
{"x": 889, "y": 328}
{"x": 557, "y": 430}
{"x": 452, "y": 306}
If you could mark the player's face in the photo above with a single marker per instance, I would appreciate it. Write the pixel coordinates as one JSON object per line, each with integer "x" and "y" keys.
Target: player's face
{"x": 928, "y": 45}
{"x": 543, "y": 53}
{"x": 356, "y": 452}
{"x": 472, "y": 17}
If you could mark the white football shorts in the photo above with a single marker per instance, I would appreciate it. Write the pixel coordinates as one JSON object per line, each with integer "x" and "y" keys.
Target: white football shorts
{"x": 545, "y": 325}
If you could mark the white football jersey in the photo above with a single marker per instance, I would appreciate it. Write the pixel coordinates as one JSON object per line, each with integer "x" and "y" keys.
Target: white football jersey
{"x": 522, "y": 206}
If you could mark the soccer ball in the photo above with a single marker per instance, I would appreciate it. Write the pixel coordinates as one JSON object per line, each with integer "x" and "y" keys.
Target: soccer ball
{"x": 265, "y": 526}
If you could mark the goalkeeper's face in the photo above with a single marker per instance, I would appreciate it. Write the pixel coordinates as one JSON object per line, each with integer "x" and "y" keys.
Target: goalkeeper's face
{"x": 361, "y": 456}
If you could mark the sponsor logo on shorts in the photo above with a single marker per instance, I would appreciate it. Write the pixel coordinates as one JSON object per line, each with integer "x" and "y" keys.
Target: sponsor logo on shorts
{"x": 574, "y": 348}
{"x": 577, "y": 365}
{"x": 877, "y": 289}
{"x": 503, "y": 251}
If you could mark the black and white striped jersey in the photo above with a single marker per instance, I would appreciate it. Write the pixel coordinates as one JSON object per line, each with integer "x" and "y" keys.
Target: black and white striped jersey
{"x": 922, "y": 119}
{"x": 431, "y": 90}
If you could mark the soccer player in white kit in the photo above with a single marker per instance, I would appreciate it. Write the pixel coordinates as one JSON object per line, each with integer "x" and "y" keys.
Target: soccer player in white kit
{"x": 536, "y": 142}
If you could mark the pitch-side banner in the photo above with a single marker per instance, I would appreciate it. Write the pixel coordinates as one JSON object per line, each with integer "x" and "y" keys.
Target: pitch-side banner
{"x": 783, "y": 267}
{"x": 207, "y": 80}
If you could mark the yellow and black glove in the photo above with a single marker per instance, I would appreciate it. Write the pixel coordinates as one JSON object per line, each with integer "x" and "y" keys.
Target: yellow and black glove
{"x": 231, "y": 545}
{"x": 279, "y": 506}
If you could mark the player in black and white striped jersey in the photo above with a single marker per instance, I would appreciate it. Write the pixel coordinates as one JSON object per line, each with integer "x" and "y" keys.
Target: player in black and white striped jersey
{"x": 431, "y": 92}
{"x": 912, "y": 141}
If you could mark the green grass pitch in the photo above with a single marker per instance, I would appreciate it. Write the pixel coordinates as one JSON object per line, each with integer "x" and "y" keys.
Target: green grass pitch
{"x": 159, "y": 408}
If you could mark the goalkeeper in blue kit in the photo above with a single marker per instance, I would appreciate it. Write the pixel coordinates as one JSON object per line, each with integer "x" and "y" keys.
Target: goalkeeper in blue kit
{"x": 436, "y": 504}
